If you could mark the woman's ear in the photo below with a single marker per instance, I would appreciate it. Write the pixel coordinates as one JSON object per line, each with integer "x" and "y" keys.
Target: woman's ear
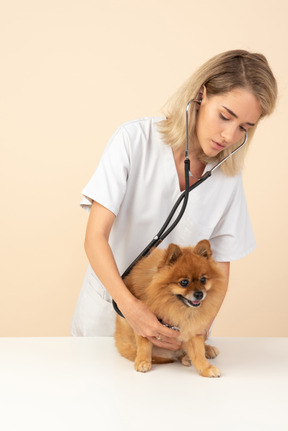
{"x": 202, "y": 93}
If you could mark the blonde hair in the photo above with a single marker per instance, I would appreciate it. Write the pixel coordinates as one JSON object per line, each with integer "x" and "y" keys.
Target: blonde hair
{"x": 221, "y": 74}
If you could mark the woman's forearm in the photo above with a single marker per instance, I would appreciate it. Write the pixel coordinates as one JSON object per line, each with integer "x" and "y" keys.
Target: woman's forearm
{"x": 101, "y": 257}
{"x": 103, "y": 264}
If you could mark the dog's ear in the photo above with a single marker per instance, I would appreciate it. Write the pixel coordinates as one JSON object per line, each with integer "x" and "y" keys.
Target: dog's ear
{"x": 203, "y": 248}
{"x": 173, "y": 252}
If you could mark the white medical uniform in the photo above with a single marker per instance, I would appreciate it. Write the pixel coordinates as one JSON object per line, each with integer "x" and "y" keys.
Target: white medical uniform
{"x": 137, "y": 180}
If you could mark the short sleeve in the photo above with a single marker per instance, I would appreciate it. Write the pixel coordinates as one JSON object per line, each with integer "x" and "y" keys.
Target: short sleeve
{"x": 108, "y": 183}
{"x": 232, "y": 237}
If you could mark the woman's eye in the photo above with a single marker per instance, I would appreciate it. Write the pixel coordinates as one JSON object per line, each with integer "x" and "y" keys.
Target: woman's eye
{"x": 203, "y": 280}
{"x": 184, "y": 283}
{"x": 223, "y": 117}
{"x": 227, "y": 119}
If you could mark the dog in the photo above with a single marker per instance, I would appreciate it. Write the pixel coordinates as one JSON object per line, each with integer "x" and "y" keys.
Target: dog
{"x": 184, "y": 287}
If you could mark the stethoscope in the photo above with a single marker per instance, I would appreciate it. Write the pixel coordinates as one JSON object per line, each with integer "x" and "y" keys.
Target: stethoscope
{"x": 165, "y": 229}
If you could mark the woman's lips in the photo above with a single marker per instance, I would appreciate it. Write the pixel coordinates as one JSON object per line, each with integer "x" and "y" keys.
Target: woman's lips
{"x": 217, "y": 146}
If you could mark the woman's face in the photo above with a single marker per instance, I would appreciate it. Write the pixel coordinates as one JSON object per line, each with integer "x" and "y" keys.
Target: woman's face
{"x": 223, "y": 119}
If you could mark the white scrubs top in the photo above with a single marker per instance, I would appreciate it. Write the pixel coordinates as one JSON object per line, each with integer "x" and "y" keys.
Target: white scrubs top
{"x": 137, "y": 180}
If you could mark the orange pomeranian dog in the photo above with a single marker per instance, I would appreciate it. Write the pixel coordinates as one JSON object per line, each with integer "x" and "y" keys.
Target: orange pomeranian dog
{"x": 182, "y": 286}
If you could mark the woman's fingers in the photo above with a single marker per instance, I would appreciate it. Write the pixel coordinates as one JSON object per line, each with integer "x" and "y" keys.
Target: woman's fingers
{"x": 146, "y": 324}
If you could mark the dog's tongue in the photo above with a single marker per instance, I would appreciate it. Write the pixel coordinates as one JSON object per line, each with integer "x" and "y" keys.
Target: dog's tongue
{"x": 196, "y": 302}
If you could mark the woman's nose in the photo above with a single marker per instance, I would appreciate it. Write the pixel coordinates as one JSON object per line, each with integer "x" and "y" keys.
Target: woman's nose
{"x": 229, "y": 135}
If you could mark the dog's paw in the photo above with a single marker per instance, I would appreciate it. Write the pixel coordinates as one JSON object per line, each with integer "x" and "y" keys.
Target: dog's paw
{"x": 185, "y": 361}
{"x": 211, "y": 352}
{"x": 211, "y": 372}
{"x": 142, "y": 366}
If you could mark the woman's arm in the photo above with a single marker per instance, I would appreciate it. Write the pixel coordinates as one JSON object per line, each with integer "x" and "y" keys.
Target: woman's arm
{"x": 225, "y": 267}
{"x": 103, "y": 264}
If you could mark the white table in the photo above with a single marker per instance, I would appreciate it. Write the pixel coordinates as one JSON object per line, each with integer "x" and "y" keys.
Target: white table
{"x": 83, "y": 384}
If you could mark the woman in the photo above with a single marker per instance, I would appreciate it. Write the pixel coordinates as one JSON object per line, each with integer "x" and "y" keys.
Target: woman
{"x": 141, "y": 175}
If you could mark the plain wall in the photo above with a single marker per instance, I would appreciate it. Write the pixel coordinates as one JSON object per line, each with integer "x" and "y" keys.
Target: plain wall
{"x": 71, "y": 73}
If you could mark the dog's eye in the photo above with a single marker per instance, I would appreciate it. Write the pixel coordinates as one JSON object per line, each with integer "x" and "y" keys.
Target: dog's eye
{"x": 184, "y": 282}
{"x": 203, "y": 280}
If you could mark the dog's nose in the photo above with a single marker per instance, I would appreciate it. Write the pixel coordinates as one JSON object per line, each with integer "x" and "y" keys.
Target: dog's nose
{"x": 198, "y": 295}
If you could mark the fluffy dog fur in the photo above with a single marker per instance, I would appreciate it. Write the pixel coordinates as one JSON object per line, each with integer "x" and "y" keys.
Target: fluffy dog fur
{"x": 183, "y": 287}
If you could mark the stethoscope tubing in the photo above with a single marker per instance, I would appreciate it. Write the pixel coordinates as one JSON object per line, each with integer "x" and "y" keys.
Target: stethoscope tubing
{"x": 165, "y": 229}
{"x": 163, "y": 233}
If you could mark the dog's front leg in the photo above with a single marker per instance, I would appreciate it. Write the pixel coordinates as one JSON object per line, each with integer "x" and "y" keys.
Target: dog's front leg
{"x": 143, "y": 361}
{"x": 195, "y": 348}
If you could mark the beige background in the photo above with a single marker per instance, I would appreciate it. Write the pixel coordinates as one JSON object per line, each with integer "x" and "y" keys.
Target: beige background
{"x": 71, "y": 72}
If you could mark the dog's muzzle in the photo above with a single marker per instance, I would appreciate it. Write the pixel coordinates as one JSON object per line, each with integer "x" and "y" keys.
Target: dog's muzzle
{"x": 195, "y": 301}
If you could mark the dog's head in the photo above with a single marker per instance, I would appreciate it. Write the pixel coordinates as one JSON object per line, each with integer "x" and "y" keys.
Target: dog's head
{"x": 188, "y": 273}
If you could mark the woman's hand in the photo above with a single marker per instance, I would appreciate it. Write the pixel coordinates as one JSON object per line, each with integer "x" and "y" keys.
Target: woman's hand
{"x": 146, "y": 324}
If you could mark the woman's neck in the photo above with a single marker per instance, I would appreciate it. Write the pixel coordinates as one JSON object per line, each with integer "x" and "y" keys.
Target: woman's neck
{"x": 196, "y": 167}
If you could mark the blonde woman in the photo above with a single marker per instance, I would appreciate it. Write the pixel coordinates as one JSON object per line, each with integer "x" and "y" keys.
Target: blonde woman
{"x": 141, "y": 175}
